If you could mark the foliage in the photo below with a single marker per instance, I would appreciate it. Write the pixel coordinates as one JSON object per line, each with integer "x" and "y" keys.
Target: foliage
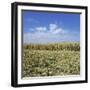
{"x": 62, "y": 59}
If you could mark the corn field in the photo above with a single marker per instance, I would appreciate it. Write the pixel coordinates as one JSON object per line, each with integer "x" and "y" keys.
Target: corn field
{"x": 51, "y": 59}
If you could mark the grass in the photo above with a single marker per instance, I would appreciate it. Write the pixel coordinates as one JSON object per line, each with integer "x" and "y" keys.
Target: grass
{"x": 51, "y": 59}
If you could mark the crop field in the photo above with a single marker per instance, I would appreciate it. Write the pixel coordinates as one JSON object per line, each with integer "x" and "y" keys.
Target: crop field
{"x": 54, "y": 59}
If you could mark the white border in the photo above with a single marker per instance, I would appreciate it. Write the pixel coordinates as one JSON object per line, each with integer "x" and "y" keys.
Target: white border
{"x": 82, "y": 45}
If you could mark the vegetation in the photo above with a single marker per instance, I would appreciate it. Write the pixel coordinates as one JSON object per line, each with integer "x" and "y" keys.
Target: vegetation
{"x": 51, "y": 59}
{"x": 57, "y": 46}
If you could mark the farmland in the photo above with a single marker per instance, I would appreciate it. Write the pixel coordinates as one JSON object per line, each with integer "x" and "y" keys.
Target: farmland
{"x": 53, "y": 59}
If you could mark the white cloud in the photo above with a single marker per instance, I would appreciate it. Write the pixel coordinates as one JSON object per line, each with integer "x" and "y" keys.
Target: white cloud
{"x": 59, "y": 30}
{"x": 41, "y": 37}
{"x": 53, "y": 33}
{"x": 52, "y": 26}
{"x": 41, "y": 29}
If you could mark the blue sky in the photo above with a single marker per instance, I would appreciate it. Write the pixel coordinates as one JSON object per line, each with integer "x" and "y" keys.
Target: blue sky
{"x": 46, "y": 27}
